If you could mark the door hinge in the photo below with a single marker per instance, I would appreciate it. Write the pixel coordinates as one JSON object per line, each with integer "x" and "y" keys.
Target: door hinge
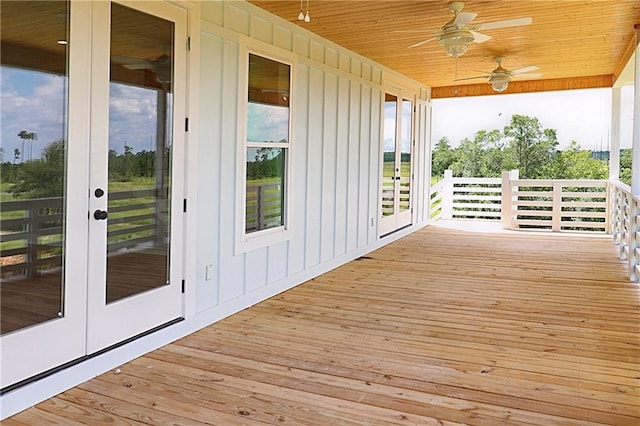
{"x": 184, "y": 205}
{"x": 188, "y": 43}
{"x": 183, "y": 285}
{"x": 186, "y": 124}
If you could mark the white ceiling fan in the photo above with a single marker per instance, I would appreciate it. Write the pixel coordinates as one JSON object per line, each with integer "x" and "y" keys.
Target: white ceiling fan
{"x": 456, "y": 34}
{"x": 160, "y": 66}
{"x": 500, "y": 77}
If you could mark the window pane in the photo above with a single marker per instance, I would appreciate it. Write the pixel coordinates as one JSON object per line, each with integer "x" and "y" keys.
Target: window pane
{"x": 406, "y": 132}
{"x": 389, "y": 155}
{"x": 34, "y": 147}
{"x": 265, "y": 183}
{"x": 268, "y": 96}
{"x": 267, "y": 124}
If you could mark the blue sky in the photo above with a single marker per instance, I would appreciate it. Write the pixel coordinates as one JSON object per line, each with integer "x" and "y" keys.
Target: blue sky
{"x": 267, "y": 123}
{"x": 35, "y": 102}
{"x": 580, "y": 115}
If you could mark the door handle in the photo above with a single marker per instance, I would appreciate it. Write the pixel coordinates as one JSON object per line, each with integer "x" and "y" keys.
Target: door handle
{"x": 100, "y": 214}
{"x": 397, "y": 177}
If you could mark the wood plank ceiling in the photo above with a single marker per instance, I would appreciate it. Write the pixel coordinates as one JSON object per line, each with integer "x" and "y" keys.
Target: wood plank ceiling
{"x": 575, "y": 44}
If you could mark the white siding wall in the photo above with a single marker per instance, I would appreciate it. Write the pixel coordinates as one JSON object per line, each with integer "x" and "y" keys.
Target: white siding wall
{"x": 336, "y": 105}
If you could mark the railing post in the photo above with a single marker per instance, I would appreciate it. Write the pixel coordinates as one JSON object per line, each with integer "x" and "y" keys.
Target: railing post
{"x": 32, "y": 242}
{"x": 556, "y": 215}
{"x": 260, "y": 209}
{"x": 507, "y": 217}
{"x": 625, "y": 208}
{"x": 447, "y": 195}
{"x": 632, "y": 243}
{"x": 506, "y": 207}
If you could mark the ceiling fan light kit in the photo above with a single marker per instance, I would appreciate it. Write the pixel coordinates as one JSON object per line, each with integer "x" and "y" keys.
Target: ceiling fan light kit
{"x": 456, "y": 35}
{"x": 500, "y": 83}
{"x": 456, "y": 42}
{"x": 500, "y": 77}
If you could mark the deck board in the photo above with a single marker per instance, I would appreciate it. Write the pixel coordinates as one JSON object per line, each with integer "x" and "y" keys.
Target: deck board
{"x": 443, "y": 327}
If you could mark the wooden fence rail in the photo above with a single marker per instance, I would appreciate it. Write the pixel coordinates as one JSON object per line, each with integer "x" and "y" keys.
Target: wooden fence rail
{"x": 624, "y": 214}
{"x": 31, "y": 231}
{"x": 264, "y": 207}
{"x": 553, "y": 204}
{"x": 558, "y": 205}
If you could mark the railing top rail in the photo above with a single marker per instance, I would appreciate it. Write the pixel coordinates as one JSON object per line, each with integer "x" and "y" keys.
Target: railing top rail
{"x": 620, "y": 185}
{"x": 563, "y": 182}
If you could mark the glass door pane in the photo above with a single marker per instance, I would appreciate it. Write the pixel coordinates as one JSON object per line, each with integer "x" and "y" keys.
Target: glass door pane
{"x": 406, "y": 137}
{"x": 389, "y": 155}
{"x": 33, "y": 127}
{"x": 140, "y": 148}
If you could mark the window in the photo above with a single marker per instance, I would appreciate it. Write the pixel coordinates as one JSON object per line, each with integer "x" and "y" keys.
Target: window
{"x": 266, "y": 144}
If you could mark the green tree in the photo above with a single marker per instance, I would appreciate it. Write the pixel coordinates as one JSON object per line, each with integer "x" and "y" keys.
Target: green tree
{"x": 442, "y": 157}
{"x": 577, "y": 163}
{"x": 531, "y": 148}
{"x": 44, "y": 177}
{"x": 481, "y": 157}
{"x": 625, "y": 166}
{"x": 28, "y": 136}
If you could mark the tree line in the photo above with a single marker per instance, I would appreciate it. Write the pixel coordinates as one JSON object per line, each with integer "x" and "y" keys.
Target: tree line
{"x": 44, "y": 177}
{"x": 526, "y": 146}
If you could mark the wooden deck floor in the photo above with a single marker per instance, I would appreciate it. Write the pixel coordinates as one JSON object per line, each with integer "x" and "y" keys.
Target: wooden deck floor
{"x": 443, "y": 327}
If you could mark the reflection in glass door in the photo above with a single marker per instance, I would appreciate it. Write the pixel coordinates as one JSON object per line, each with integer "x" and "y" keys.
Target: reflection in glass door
{"x": 102, "y": 82}
{"x": 389, "y": 156}
{"x": 396, "y": 160}
{"x": 41, "y": 288}
{"x": 139, "y": 186}
{"x": 135, "y": 267}
{"x": 34, "y": 127}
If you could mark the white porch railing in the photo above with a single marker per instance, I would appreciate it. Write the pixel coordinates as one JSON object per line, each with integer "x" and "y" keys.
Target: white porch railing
{"x": 625, "y": 229}
{"x": 558, "y": 205}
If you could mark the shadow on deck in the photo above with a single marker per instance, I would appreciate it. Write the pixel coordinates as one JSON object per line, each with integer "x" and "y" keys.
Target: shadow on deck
{"x": 445, "y": 326}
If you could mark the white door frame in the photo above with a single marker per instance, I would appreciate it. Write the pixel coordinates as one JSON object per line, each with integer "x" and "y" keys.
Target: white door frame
{"x": 111, "y": 323}
{"x": 85, "y": 325}
{"x": 399, "y": 219}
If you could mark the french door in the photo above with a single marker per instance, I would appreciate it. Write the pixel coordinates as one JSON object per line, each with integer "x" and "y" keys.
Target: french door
{"x": 102, "y": 260}
{"x": 397, "y": 173}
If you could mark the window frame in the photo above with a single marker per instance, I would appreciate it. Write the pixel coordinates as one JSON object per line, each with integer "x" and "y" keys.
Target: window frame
{"x": 246, "y": 242}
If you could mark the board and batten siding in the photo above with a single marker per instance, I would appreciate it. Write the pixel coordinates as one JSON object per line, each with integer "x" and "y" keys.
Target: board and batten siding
{"x": 336, "y": 104}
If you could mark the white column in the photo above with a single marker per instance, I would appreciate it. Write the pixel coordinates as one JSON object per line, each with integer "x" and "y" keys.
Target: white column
{"x": 447, "y": 196}
{"x": 635, "y": 162}
{"x": 614, "y": 147}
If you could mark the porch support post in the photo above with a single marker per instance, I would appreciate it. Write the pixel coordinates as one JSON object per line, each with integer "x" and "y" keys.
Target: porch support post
{"x": 635, "y": 166}
{"x": 447, "y": 196}
{"x": 507, "y": 216}
{"x": 635, "y": 162}
{"x": 614, "y": 146}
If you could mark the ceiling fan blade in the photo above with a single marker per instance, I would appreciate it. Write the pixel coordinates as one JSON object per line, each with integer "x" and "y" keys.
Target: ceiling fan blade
{"x": 140, "y": 66}
{"x": 527, "y": 75}
{"x": 438, "y": 31}
{"x": 503, "y": 24}
{"x": 464, "y": 18}
{"x": 479, "y": 37}
{"x": 472, "y": 78}
{"x": 420, "y": 43}
{"x": 523, "y": 69}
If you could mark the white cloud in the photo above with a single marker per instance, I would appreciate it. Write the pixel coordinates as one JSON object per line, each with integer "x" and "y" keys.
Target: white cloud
{"x": 580, "y": 115}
